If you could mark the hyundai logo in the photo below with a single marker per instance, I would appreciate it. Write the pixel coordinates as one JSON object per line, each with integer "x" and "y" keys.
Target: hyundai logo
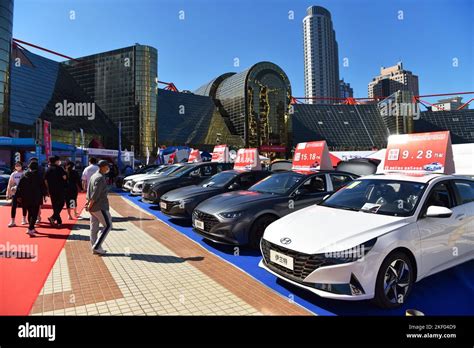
{"x": 285, "y": 240}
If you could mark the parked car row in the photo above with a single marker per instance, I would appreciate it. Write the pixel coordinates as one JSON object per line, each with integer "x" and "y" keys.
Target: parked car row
{"x": 348, "y": 235}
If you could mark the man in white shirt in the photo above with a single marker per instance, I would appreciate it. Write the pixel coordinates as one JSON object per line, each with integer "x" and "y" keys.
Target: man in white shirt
{"x": 90, "y": 170}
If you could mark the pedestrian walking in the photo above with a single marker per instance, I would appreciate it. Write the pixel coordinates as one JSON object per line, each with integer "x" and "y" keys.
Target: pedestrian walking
{"x": 72, "y": 189}
{"x": 55, "y": 179}
{"x": 31, "y": 192}
{"x": 12, "y": 193}
{"x": 88, "y": 171}
{"x": 98, "y": 206}
{"x": 41, "y": 174}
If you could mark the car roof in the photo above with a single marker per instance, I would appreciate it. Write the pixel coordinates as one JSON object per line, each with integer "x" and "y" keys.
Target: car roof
{"x": 414, "y": 177}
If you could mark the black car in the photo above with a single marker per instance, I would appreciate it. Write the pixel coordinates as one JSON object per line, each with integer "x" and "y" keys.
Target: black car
{"x": 240, "y": 218}
{"x": 188, "y": 174}
{"x": 181, "y": 202}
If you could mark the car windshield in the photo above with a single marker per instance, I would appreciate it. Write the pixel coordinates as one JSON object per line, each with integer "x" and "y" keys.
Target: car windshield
{"x": 278, "y": 183}
{"x": 181, "y": 170}
{"x": 170, "y": 170}
{"x": 386, "y": 197}
{"x": 159, "y": 170}
{"x": 219, "y": 180}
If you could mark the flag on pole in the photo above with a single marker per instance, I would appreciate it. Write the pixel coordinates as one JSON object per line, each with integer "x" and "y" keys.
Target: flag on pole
{"x": 119, "y": 159}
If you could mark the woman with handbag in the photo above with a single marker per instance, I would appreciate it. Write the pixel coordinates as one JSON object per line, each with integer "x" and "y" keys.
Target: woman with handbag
{"x": 12, "y": 193}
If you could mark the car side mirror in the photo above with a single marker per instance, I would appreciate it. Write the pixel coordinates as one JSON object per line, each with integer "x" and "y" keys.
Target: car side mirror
{"x": 300, "y": 192}
{"x": 438, "y": 212}
{"x": 234, "y": 186}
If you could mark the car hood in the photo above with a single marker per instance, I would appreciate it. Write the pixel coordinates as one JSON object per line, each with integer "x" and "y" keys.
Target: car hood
{"x": 233, "y": 201}
{"x": 160, "y": 179}
{"x": 189, "y": 192}
{"x": 318, "y": 229}
{"x": 139, "y": 177}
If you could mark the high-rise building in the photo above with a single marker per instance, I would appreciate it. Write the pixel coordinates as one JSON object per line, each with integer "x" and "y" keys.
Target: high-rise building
{"x": 123, "y": 83}
{"x": 345, "y": 89}
{"x": 6, "y": 24}
{"x": 448, "y": 104}
{"x": 391, "y": 80}
{"x": 321, "y": 62}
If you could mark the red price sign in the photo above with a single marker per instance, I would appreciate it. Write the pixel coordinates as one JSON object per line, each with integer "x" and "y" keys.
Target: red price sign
{"x": 220, "y": 154}
{"x": 194, "y": 156}
{"x": 420, "y": 152}
{"x": 247, "y": 159}
{"x": 311, "y": 156}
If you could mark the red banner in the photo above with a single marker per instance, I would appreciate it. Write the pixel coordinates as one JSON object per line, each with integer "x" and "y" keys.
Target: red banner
{"x": 48, "y": 148}
{"x": 420, "y": 152}
{"x": 248, "y": 159}
{"x": 194, "y": 156}
{"x": 220, "y": 154}
{"x": 311, "y": 156}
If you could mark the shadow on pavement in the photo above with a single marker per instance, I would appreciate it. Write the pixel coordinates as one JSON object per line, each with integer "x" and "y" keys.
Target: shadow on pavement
{"x": 156, "y": 258}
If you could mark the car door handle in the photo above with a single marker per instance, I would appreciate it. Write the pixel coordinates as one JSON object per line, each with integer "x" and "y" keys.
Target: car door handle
{"x": 460, "y": 216}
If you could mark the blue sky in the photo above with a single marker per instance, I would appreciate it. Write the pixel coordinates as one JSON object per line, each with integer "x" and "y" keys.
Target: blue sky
{"x": 431, "y": 35}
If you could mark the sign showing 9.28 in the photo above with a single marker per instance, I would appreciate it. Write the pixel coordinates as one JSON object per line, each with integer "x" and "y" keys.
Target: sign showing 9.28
{"x": 420, "y": 152}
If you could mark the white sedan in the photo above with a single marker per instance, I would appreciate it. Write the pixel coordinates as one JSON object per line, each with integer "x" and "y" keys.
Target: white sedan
{"x": 375, "y": 237}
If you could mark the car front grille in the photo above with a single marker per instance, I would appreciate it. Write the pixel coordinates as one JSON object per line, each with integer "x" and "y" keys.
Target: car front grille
{"x": 303, "y": 264}
{"x": 209, "y": 220}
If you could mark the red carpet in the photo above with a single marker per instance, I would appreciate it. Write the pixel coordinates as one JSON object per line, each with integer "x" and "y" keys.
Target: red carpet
{"x": 22, "y": 275}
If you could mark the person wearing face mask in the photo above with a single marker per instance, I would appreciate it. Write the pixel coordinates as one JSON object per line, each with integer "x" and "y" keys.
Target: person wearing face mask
{"x": 55, "y": 180}
{"x": 12, "y": 193}
{"x": 97, "y": 204}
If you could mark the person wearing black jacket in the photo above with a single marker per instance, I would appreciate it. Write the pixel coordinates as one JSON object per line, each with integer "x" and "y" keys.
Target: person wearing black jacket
{"x": 31, "y": 191}
{"x": 74, "y": 184}
{"x": 55, "y": 179}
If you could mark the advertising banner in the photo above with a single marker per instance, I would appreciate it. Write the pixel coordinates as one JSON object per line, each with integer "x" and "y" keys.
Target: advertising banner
{"x": 248, "y": 159}
{"x": 48, "y": 148}
{"x": 311, "y": 156}
{"x": 220, "y": 154}
{"x": 194, "y": 156}
{"x": 420, "y": 152}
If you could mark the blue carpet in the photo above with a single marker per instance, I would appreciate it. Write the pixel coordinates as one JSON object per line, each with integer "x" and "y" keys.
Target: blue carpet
{"x": 447, "y": 293}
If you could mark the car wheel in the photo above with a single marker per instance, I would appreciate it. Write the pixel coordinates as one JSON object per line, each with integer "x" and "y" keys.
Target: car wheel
{"x": 394, "y": 280}
{"x": 257, "y": 229}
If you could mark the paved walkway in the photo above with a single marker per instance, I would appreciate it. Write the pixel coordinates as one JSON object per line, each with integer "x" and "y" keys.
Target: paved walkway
{"x": 150, "y": 269}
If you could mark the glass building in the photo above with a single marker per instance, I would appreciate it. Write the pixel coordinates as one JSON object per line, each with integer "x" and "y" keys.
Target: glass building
{"x": 6, "y": 23}
{"x": 459, "y": 122}
{"x": 344, "y": 127}
{"x": 123, "y": 83}
{"x": 38, "y": 85}
{"x": 191, "y": 119}
{"x": 254, "y": 103}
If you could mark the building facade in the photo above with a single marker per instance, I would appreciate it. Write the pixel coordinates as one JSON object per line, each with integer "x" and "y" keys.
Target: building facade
{"x": 254, "y": 103}
{"x": 448, "y": 104}
{"x": 321, "y": 62}
{"x": 123, "y": 83}
{"x": 391, "y": 80}
{"x": 6, "y": 24}
{"x": 40, "y": 88}
{"x": 345, "y": 89}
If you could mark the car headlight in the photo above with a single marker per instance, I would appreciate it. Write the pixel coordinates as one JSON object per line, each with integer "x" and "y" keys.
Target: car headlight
{"x": 350, "y": 255}
{"x": 231, "y": 215}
